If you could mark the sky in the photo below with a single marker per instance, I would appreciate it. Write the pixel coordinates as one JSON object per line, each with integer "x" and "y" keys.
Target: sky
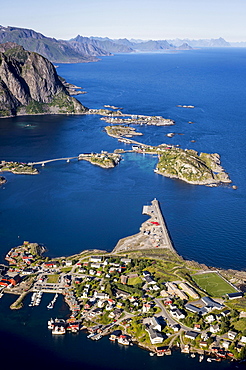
{"x": 138, "y": 19}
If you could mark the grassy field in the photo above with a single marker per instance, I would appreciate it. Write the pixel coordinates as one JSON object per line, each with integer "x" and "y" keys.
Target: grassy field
{"x": 53, "y": 279}
{"x": 237, "y": 304}
{"x": 213, "y": 284}
{"x": 134, "y": 281}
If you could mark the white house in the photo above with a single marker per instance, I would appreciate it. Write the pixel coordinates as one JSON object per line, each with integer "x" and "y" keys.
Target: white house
{"x": 232, "y": 334}
{"x": 214, "y": 328}
{"x": 96, "y": 259}
{"x": 155, "y": 323}
{"x": 209, "y": 319}
{"x": 243, "y": 339}
{"x": 155, "y": 337}
{"x": 177, "y": 314}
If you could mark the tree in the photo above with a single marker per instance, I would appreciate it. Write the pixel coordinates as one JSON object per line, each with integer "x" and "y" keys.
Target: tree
{"x": 234, "y": 313}
{"x": 242, "y": 353}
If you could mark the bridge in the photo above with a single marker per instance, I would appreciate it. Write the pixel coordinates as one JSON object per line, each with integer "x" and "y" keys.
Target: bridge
{"x": 52, "y": 160}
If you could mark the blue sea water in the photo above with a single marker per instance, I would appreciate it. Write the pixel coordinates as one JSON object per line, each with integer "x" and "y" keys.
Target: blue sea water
{"x": 74, "y": 206}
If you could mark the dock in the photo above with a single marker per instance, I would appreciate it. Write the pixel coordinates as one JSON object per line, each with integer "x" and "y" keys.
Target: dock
{"x": 153, "y": 233}
{"x": 154, "y": 211}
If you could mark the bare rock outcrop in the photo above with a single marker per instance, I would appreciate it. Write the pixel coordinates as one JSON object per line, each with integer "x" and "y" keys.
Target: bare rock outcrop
{"x": 29, "y": 84}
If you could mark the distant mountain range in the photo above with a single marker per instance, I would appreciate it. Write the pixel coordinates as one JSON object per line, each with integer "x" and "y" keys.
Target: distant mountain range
{"x": 207, "y": 43}
{"x": 88, "y": 49}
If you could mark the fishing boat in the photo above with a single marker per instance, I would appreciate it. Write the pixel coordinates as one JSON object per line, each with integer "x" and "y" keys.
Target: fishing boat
{"x": 59, "y": 330}
{"x": 123, "y": 340}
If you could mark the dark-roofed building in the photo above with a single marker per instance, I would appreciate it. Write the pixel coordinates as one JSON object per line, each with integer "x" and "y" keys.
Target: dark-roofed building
{"x": 209, "y": 302}
{"x": 149, "y": 279}
{"x": 155, "y": 337}
{"x": 194, "y": 309}
{"x": 191, "y": 335}
{"x": 235, "y": 295}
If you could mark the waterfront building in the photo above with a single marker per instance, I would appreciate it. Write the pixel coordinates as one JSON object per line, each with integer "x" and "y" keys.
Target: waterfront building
{"x": 154, "y": 336}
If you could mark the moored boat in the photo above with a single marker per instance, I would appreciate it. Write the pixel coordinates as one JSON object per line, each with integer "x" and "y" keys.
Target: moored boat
{"x": 123, "y": 340}
{"x": 201, "y": 357}
{"x": 58, "y": 330}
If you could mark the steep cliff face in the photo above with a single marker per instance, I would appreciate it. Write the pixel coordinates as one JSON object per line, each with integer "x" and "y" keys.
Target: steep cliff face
{"x": 29, "y": 84}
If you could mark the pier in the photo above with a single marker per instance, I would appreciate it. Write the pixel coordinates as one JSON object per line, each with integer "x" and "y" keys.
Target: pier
{"x": 155, "y": 212}
{"x": 153, "y": 233}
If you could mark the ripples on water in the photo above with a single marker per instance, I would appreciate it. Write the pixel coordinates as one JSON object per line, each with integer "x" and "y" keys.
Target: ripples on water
{"x": 70, "y": 207}
{"x": 75, "y": 206}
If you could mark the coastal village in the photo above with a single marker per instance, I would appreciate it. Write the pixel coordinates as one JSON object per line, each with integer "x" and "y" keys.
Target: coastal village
{"x": 141, "y": 293}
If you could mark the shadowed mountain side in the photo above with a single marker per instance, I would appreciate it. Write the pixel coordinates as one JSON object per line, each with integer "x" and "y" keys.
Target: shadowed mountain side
{"x": 29, "y": 84}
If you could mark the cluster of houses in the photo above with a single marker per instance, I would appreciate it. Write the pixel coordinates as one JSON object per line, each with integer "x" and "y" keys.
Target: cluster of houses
{"x": 98, "y": 301}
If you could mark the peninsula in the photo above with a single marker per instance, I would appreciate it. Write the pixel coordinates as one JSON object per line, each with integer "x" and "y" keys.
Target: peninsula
{"x": 141, "y": 293}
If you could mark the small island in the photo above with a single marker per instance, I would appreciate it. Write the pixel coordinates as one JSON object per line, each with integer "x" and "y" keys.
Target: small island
{"x": 122, "y": 131}
{"x": 141, "y": 293}
{"x": 18, "y": 168}
{"x": 138, "y": 120}
{"x": 191, "y": 167}
{"x": 2, "y": 180}
{"x": 103, "y": 159}
{"x": 185, "y": 106}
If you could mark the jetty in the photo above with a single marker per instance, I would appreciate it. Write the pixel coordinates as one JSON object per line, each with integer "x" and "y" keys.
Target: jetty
{"x": 155, "y": 211}
{"x": 153, "y": 233}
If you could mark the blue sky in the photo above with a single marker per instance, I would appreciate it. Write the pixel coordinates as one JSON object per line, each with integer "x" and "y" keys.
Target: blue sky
{"x": 145, "y": 19}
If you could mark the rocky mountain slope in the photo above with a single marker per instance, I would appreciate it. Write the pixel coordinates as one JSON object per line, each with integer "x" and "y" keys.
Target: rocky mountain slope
{"x": 29, "y": 84}
{"x": 103, "y": 45}
{"x": 58, "y": 51}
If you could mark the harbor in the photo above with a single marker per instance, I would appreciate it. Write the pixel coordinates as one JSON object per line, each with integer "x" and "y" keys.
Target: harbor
{"x": 142, "y": 294}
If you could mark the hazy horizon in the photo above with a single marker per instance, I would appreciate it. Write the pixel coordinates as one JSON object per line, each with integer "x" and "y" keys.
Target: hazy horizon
{"x": 158, "y": 20}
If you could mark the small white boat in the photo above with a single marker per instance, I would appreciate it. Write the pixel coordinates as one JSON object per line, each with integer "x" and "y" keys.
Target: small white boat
{"x": 91, "y": 335}
{"x": 97, "y": 337}
{"x": 152, "y": 354}
{"x": 201, "y": 357}
{"x": 58, "y": 330}
{"x": 123, "y": 340}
